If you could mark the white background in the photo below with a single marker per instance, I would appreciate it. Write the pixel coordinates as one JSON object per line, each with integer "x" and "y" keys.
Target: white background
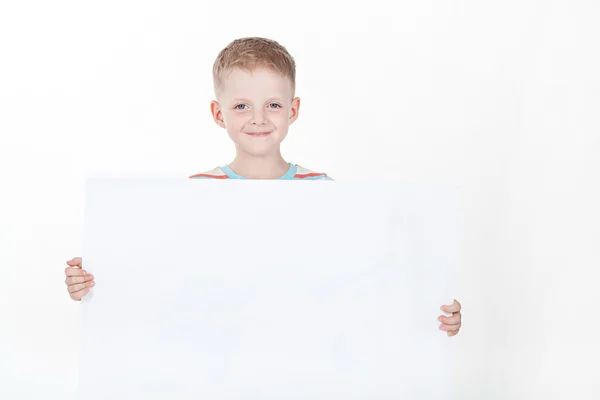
{"x": 500, "y": 99}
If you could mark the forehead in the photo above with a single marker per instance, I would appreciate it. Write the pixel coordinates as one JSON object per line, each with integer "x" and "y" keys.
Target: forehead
{"x": 258, "y": 82}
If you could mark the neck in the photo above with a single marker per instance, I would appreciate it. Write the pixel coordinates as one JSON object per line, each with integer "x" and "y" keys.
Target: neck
{"x": 252, "y": 167}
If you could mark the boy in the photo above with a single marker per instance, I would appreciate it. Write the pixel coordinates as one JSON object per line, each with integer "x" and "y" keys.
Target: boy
{"x": 254, "y": 83}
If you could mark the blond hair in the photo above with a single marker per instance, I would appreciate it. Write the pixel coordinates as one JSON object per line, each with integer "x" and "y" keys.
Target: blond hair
{"x": 250, "y": 53}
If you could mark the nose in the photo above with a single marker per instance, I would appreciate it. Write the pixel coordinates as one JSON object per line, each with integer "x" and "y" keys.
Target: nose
{"x": 258, "y": 116}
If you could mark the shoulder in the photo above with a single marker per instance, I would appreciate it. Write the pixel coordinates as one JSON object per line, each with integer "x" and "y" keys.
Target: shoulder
{"x": 308, "y": 174}
{"x": 215, "y": 173}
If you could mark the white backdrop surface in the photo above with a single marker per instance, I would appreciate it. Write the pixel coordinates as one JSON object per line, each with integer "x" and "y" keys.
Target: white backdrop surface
{"x": 292, "y": 290}
{"x": 498, "y": 99}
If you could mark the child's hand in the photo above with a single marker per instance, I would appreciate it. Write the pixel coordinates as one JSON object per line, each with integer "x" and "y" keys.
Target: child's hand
{"x": 451, "y": 324}
{"x": 78, "y": 281}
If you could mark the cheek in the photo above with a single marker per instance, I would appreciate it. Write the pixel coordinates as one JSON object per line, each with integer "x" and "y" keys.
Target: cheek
{"x": 281, "y": 118}
{"x": 234, "y": 121}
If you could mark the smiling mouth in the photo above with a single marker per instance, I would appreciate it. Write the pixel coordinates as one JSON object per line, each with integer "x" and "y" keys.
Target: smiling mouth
{"x": 256, "y": 134}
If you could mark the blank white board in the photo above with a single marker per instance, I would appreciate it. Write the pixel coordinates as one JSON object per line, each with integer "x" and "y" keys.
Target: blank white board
{"x": 266, "y": 290}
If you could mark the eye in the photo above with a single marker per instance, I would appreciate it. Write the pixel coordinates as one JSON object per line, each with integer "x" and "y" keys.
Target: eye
{"x": 238, "y": 106}
{"x": 275, "y": 105}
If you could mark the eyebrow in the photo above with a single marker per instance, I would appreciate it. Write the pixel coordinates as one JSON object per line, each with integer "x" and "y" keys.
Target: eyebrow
{"x": 248, "y": 101}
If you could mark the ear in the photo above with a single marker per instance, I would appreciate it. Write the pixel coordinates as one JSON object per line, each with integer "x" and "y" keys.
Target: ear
{"x": 295, "y": 110}
{"x": 215, "y": 110}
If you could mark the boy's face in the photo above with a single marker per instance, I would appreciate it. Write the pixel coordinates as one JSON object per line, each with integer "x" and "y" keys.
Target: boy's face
{"x": 256, "y": 108}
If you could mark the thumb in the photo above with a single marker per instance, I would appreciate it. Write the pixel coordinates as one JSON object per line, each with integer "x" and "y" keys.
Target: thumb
{"x": 75, "y": 262}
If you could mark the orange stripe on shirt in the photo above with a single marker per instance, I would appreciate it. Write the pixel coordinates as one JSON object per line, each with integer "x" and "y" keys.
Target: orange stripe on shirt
{"x": 210, "y": 176}
{"x": 300, "y": 176}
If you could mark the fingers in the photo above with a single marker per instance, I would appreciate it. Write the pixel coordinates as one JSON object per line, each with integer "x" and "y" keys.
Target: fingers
{"x": 452, "y": 308}
{"x": 73, "y": 271}
{"x": 452, "y": 323}
{"x": 77, "y": 296}
{"x": 75, "y": 267}
{"x": 452, "y": 333}
{"x": 453, "y": 320}
{"x": 80, "y": 286}
{"x": 71, "y": 280}
{"x": 78, "y": 280}
{"x": 451, "y": 328}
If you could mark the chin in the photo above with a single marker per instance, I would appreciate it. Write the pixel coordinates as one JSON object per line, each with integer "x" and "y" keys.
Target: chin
{"x": 260, "y": 149}
{"x": 260, "y": 152}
